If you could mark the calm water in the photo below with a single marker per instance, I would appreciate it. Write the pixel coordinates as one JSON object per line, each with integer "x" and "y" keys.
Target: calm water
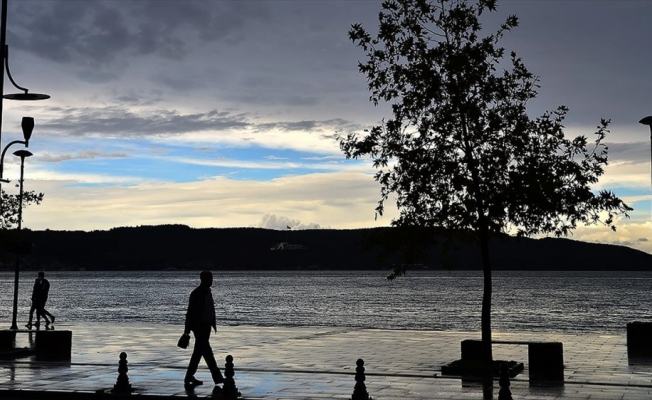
{"x": 570, "y": 302}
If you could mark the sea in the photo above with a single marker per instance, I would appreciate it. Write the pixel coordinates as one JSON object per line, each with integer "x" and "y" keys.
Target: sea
{"x": 563, "y": 302}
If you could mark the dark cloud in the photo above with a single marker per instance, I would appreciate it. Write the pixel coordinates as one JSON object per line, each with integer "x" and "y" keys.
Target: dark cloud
{"x": 99, "y": 37}
{"x": 178, "y": 83}
{"x": 136, "y": 98}
{"x": 113, "y": 121}
{"x": 290, "y": 126}
{"x": 642, "y": 240}
{"x": 334, "y": 125}
{"x": 269, "y": 99}
{"x": 634, "y": 152}
{"x": 87, "y": 35}
{"x": 82, "y": 155}
{"x": 118, "y": 121}
{"x": 597, "y": 69}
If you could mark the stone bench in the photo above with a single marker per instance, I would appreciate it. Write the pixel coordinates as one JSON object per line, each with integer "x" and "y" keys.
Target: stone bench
{"x": 47, "y": 344}
{"x": 545, "y": 359}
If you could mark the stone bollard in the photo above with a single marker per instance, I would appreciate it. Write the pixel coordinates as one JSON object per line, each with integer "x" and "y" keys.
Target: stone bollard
{"x": 505, "y": 393}
{"x": 122, "y": 385}
{"x": 360, "y": 389}
{"x": 230, "y": 391}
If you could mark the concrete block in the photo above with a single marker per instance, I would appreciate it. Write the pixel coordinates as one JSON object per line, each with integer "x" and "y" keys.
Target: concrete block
{"x": 546, "y": 360}
{"x": 639, "y": 339}
{"x": 53, "y": 344}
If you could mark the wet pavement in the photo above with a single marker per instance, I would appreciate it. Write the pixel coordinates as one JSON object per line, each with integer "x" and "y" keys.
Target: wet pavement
{"x": 318, "y": 363}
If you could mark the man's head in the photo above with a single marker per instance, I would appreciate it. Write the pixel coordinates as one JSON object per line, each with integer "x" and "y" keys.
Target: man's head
{"x": 206, "y": 278}
{"x": 41, "y": 274}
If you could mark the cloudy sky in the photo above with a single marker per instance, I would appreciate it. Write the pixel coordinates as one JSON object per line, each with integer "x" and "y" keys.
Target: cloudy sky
{"x": 224, "y": 113}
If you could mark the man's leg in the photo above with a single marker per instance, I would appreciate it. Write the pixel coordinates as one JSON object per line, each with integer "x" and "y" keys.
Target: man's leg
{"x": 194, "y": 360}
{"x": 40, "y": 313}
{"x": 201, "y": 341}
{"x": 31, "y": 316}
{"x": 47, "y": 313}
{"x": 209, "y": 357}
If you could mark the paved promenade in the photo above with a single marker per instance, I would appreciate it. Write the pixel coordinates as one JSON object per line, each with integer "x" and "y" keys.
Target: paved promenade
{"x": 318, "y": 363}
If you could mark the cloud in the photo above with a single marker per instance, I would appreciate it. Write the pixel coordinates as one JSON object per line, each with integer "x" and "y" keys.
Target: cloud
{"x": 625, "y": 175}
{"x": 319, "y": 158}
{"x": 272, "y": 164}
{"x": 81, "y": 155}
{"x": 177, "y": 82}
{"x": 636, "y": 234}
{"x": 632, "y": 152}
{"x": 196, "y": 129}
{"x": 268, "y": 99}
{"x": 130, "y": 97}
{"x": 114, "y": 121}
{"x": 118, "y": 120}
{"x": 97, "y": 37}
{"x": 271, "y": 221}
{"x": 215, "y": 202}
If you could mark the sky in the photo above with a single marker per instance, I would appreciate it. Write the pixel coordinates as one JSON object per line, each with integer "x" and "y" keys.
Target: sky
{"x": 225, "y": 113}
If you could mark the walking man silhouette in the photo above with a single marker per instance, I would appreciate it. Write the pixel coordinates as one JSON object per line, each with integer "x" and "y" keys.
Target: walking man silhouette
{"x": 39, "y": 298}
{"x": 200, "y": 318}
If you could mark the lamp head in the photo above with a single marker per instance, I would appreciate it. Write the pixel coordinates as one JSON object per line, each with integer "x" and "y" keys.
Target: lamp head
{"x": 28, "y": 126}
{"x": 646, "y": 121}
{"x": 23, "y": 154}
{"x": 26, "y": 96}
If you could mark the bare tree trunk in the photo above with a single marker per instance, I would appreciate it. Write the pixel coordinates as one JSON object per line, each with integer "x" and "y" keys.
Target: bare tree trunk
{"x": 483, "y": 230}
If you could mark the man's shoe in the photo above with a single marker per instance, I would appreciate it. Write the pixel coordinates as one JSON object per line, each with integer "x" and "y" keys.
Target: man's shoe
{"x": 220, "y": 379}
{"x": 192, "y": 381}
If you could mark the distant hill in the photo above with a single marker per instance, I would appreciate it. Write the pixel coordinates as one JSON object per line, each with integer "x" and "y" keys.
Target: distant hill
{"x": 180, "y": 247}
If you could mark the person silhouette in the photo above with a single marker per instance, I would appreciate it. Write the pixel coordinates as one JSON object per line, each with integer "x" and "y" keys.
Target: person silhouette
{"x": 40, "y": 294}
{"x": 200, "y": 318}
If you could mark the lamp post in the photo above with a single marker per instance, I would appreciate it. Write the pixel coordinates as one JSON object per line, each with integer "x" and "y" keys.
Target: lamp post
{"x": 4, "y": 66}
{"x": 22, "y": 154}
{"x": 648, "y": 121}
{"x": 27, "y": 126}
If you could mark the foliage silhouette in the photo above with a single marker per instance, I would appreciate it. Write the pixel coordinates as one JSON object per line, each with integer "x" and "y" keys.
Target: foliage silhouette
{"x": 460, "y": 152}
{"x": 9, "y": 204}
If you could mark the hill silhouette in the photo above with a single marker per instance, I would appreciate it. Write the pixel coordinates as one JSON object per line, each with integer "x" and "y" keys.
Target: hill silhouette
{"x": 180, "y": 247}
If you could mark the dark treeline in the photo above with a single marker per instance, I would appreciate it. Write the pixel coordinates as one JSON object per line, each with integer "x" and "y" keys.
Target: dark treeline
{"x": 183, "y": 248}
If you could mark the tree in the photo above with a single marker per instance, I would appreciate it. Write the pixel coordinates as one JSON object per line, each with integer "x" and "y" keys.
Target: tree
{"x": 9, "y": 212}
{"x": 460, "y": 152}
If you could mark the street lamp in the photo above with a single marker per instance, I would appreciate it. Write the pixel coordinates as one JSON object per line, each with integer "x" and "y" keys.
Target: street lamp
{"x": 22, "y": 154}
{"x": 27, "y": 124}
{"x": 648, "y": 121}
